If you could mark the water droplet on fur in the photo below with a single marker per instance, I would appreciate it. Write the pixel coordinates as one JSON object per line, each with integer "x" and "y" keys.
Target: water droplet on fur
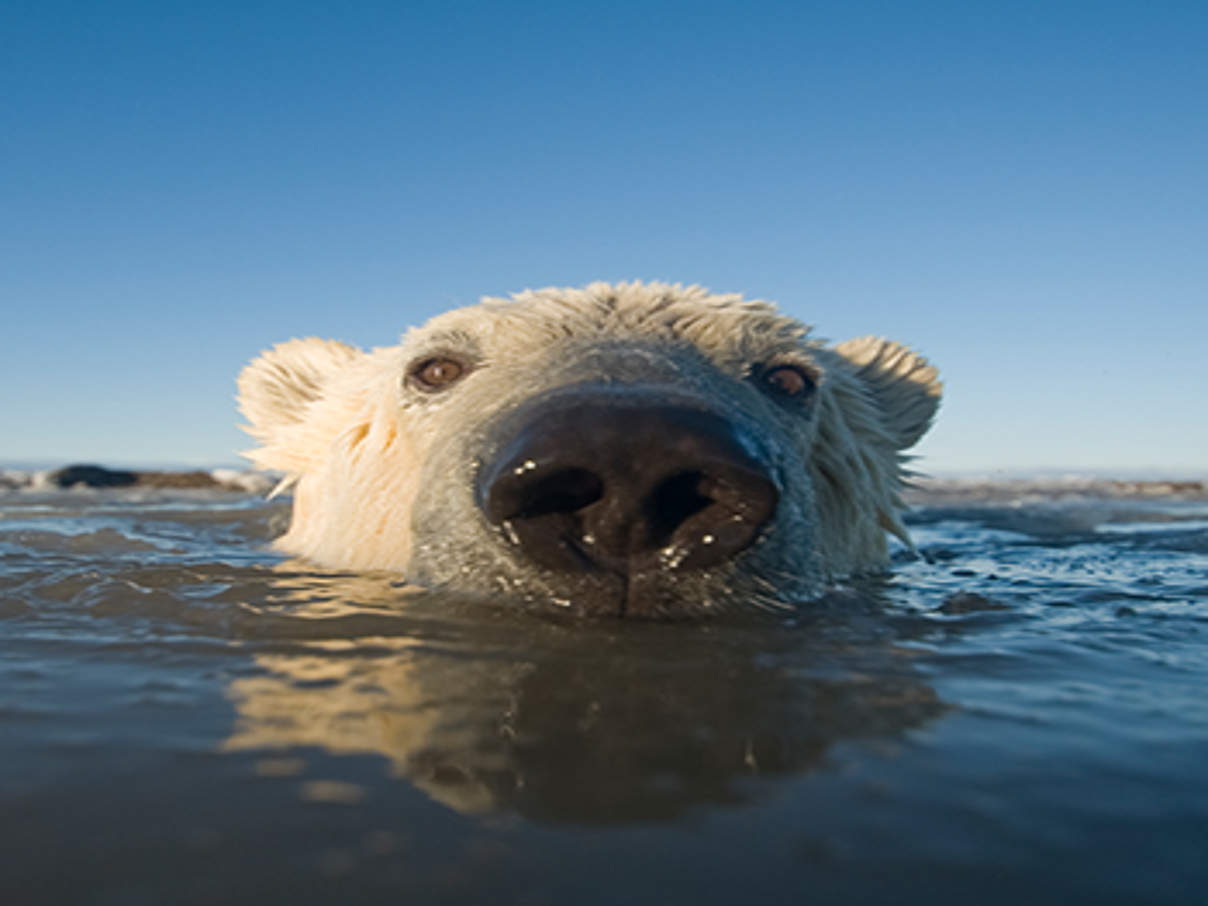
{"x": 707, "y": 539}
{"x": 589, "y": 538}
{"x": 527, "y": 466}
{"x": 672, "y": 556}
{"x": 510, "y": 531}
{"x": 562, "y": 602}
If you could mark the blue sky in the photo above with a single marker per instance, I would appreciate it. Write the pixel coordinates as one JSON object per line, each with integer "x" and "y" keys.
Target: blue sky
{"x": 1019, "y": 190}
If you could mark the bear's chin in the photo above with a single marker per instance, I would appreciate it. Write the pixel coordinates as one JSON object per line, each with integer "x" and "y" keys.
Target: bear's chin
{"x": 640, "y": 596}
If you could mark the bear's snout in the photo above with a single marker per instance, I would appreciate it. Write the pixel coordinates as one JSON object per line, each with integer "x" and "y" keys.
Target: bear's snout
{"x": 617, "y": 483}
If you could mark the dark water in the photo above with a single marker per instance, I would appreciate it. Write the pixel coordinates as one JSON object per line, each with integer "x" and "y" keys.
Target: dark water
{"x": 186, "y": 719}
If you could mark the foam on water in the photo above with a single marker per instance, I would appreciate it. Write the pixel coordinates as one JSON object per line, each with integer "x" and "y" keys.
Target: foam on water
{"x": 1019, "y": 714}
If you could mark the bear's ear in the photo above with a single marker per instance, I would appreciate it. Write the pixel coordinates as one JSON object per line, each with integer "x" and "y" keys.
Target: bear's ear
{"x": 905, "y": 386}
{"x": 276, "y": 388}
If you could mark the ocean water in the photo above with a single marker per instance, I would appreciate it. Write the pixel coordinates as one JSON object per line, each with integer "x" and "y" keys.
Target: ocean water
{"x": 1018, "y": 715}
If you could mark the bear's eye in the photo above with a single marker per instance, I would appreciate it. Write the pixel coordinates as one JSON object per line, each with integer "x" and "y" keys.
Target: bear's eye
{"x": 436, "y": 373}
{"x": 788, "y": 380}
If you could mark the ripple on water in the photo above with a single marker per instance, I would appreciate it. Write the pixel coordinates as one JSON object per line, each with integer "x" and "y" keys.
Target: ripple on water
{"x": 1028, "y": 694}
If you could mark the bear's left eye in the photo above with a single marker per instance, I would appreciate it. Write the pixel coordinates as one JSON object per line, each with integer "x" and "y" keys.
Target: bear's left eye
{"x": 788, "y": 380}
{"x": 436, "y": 373}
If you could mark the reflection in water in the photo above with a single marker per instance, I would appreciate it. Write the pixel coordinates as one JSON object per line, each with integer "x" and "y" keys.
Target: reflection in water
{"x": 592, "y": 722}
{"x": 140, "y": 631}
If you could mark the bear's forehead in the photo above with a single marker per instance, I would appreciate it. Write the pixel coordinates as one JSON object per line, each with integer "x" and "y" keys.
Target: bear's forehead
{"x": 720, "y": 326}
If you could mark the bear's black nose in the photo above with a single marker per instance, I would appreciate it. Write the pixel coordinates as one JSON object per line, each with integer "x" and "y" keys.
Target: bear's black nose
{"x": 601, "y": 483}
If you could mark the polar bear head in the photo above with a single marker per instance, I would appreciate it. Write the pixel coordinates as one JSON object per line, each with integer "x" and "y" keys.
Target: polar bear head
{"x": 640, "y": 449}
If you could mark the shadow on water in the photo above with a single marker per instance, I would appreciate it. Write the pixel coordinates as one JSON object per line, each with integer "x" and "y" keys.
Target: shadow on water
{"x": 601, "y": 722}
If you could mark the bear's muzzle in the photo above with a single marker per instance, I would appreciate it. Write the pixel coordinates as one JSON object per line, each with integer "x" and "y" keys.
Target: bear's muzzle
{"x": 623, "y": 483}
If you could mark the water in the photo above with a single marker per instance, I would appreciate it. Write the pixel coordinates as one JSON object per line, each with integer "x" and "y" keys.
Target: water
{"x": 187, "y": 719}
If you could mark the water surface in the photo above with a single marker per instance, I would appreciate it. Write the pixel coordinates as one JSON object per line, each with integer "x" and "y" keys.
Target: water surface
{"x": 187, "y": 718}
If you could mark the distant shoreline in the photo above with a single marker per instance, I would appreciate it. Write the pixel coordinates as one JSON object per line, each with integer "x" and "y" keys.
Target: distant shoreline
{"x": 935, "y": 490}
{"x": 97, "y": 477}
{"x": 929, "y": 488}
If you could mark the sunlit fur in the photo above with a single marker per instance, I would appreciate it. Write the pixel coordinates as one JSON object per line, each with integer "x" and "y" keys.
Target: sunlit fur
{"x": 354, "y": 439}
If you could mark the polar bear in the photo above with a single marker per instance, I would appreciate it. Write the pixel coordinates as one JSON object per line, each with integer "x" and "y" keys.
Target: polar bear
{"x": 641, "y": 449}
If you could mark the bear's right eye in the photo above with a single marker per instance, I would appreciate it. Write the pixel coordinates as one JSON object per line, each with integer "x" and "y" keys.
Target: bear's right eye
{"x": 437, "y": 373}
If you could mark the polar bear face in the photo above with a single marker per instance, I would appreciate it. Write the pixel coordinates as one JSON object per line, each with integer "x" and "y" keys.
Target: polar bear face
{"x": 631, "y": 449}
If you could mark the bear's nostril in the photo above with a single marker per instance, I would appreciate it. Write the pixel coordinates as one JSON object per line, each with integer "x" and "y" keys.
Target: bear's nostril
{"x": 674, "y": 502}
{"x": 539, "y": 504}
{"x": 722, "y": 513}
{"x": 564, "y": 491}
